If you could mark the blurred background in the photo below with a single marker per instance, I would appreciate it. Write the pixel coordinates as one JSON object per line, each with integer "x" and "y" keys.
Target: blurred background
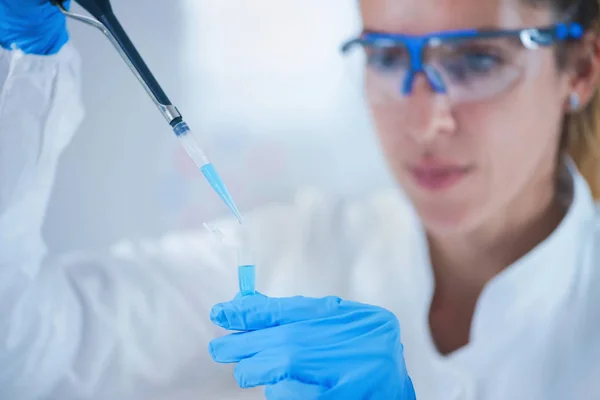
{"x": 261, "y": 83}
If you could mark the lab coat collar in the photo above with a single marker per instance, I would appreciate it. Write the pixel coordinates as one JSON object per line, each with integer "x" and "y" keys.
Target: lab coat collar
{"x": 542, "y": 278}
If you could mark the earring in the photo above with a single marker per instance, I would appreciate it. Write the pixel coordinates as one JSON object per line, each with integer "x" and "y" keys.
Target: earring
{"x": 574, "y": 101}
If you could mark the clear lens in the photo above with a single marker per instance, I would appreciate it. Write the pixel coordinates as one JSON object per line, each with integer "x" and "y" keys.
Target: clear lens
{"x": 470, "y": 70}
{"x": 478, "y": 69}
{"x": 386, "y": 69}
{"x": 378, "y": 71}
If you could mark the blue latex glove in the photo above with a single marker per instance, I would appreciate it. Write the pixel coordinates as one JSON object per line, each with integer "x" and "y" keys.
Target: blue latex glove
{"x": 34, "y": 26}
{"x": 309, "y": 348}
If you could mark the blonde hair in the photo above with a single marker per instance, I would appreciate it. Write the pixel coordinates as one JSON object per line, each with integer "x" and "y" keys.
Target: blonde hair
{"x": 582, "y": 142}
{"x": 581, "y": 129}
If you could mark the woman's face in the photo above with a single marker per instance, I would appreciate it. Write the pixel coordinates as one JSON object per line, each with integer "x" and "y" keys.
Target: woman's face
{"x": 462, "y": 163}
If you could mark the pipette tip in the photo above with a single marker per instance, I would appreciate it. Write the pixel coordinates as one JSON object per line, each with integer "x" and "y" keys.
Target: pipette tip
{"x": 211, "y": 174}
{"x": 183, "y": 132}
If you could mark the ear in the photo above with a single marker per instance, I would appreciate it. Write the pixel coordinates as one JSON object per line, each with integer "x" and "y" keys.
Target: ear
{"x": 585, "y": 68}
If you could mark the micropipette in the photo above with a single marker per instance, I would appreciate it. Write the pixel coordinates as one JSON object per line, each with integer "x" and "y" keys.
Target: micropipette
{"x": 107, "y": 23}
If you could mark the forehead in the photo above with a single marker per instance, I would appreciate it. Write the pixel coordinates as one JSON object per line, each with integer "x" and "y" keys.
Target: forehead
{"x": 425, "y": 16}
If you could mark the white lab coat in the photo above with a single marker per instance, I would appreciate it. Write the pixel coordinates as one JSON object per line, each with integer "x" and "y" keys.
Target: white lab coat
{"x": 133, "y": 323}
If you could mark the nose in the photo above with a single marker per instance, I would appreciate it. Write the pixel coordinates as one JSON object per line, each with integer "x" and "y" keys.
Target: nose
{"x": 428, "y": 113}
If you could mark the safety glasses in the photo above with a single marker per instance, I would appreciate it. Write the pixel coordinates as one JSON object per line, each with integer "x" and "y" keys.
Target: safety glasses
{"x": 466, "y": 65}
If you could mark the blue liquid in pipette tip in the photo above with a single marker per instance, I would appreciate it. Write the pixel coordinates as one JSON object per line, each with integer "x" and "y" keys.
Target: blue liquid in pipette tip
{"x": 246, "y": 279}
{"x": 210, "y": 173}
{"x": 208, "y": 170}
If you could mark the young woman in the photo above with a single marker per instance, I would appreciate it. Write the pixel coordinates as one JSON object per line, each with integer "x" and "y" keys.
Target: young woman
{"x": 486, "y": 112}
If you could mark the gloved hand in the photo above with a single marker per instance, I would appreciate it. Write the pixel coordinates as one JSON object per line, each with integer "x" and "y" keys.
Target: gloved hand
{"x": 308, "y": 348}
{"x": 34, "y": 26}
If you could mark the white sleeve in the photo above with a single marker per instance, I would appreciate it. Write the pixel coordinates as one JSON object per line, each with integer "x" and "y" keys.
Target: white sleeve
{"x": 116, "y": 326}
{"x": 132, "y": 324}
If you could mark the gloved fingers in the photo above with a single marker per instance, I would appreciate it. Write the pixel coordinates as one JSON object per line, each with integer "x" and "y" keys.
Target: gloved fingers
{"x": 259, "y": 312}
{"x": 354, "y": 391}
{"x": 277, "y": 364}
{"x": 409, "y": 390}
{"x": 262, "y": 369}
{"x": 229, "y": 349}
{"x": 363, "y": 381}
{"x": 24, "y": 9}
{"x": 291, "y": 389}
{"x": 240, "y": 345}
{"x": 229, "y": 316}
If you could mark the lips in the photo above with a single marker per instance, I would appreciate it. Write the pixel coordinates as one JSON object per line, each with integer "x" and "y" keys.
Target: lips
{"x": 438, "y": 177}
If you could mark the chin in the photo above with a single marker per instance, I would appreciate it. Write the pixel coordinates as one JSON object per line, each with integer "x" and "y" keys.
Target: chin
{"x": 452, "y": 210}
{"x": 442, "y": 219}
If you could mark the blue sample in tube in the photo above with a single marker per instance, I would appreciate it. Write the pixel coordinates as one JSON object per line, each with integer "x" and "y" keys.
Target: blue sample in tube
{"x": 246, "y": 279}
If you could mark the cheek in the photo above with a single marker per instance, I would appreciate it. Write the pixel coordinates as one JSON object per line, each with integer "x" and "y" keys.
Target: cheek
{"x": 518, "y": 139}
{"x": 389, "y": 130}
{"x": 502, "y": 146}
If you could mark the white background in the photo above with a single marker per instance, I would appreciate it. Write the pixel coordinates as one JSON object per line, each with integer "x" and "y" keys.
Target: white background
{"x": 262, "y": 84}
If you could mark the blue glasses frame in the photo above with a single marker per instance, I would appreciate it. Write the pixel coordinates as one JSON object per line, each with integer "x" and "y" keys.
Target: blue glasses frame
{"x": 530, "y": 38}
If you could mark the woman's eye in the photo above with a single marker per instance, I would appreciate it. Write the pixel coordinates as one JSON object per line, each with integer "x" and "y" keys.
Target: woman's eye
{"x": 386, "y": 59}
{"x": 481, "y": 62}
{"x": 472, "y": 64}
